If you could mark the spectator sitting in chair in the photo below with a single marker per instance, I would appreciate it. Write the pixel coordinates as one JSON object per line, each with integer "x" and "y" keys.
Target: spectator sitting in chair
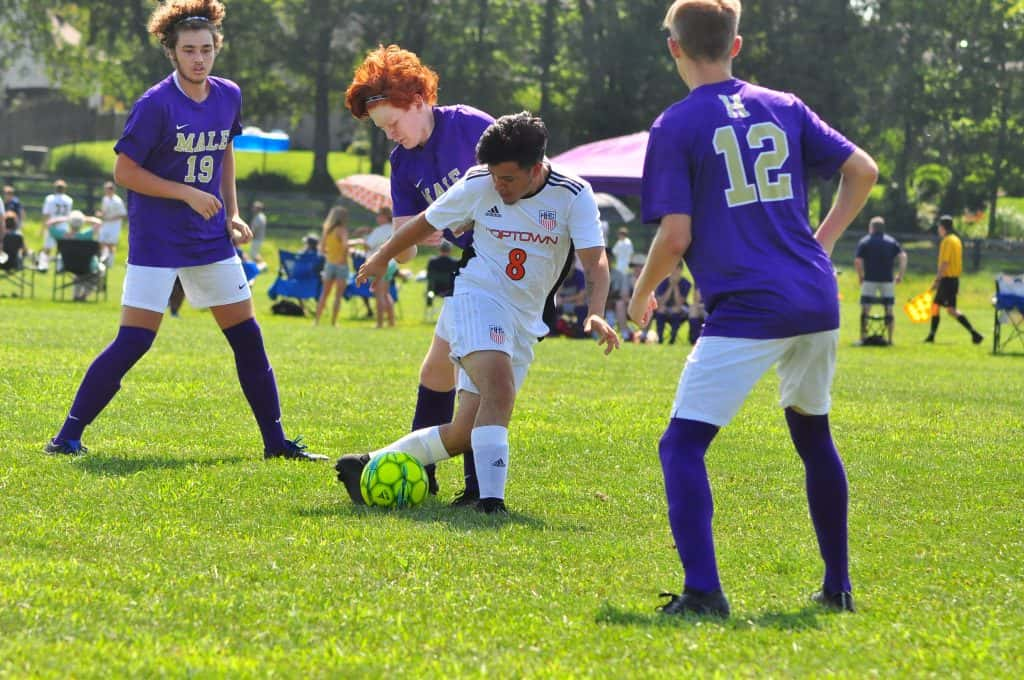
{"x": 571, "y": 303}
{"x": 672, "y": 308}
{"x": 14, "y": 252}
{"x": 84, "y": 284}
{"x": 441, "y": 271}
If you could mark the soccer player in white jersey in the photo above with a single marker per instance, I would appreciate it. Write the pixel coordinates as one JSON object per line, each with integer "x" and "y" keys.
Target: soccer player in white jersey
{"x": 57, "y": 204}
{"x": 527, "y": 215}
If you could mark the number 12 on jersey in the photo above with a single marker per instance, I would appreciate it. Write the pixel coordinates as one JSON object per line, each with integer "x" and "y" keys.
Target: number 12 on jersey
{"x": 764, "y": 189}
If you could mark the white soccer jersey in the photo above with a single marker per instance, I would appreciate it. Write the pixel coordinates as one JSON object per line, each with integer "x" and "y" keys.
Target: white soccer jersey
{"x": 520, "y": 248}
{"x": 57, "y": 205}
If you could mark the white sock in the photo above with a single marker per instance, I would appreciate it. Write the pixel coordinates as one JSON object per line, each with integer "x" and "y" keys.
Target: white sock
{"x": 490, "y": 455}
{"x": 424, "y": 445}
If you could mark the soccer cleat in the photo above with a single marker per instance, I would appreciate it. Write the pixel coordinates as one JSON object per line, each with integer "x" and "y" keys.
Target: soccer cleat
{"x": 294, "y": 449}
{"x": 696, "y": 602}
{"x": 840, "y": 602}
{"x": 491, "y": 506}
{"x": 432, "y": 486}
{"x": 350, "y": 470}
{"x": 930, "y": 338}
{"x": 977, "y": 338}
{"x": 465, "y": 498}
{"x": 68, "y": 447}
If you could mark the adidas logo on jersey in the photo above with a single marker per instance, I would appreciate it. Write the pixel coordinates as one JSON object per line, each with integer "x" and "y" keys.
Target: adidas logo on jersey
{"x": 493, "y": 212}
{"x": 500, "y": 463}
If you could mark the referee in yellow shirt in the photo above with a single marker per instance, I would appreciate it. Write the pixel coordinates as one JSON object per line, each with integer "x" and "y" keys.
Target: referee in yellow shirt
{"x": 947, "y": 280}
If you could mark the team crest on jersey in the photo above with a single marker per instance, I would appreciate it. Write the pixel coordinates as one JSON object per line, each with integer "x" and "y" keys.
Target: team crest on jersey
{"x": 548, "y": 219}
{"x": 498, "y": 335}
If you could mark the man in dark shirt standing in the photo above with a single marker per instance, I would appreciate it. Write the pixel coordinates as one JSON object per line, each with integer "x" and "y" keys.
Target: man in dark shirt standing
{"x": 876, "y": 253}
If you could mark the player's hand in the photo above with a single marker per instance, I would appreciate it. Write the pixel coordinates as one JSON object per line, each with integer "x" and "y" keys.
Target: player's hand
{"x": 239, "y": 231}
{"x": 203, "y": 203}
{"x": 434, "y": 240}
{"x": 606, "y": 335}
{"x": 373, "y": 269}
{"x": 640, "y": 309}
{"x": 898, "y": 278}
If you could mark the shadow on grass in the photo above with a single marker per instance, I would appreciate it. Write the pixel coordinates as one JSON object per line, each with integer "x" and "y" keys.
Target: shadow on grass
{"x": 430, "y": 512}
{"x": 803, "y": 619}
{"x": 116, "y": 466}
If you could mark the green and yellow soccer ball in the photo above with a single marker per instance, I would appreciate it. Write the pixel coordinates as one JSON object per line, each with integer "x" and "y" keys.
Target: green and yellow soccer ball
{"x": 394, "y": 480}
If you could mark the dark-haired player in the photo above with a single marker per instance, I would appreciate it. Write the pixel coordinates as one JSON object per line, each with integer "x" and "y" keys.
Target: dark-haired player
{"x": 724, "y": 178}
{"x": 525, "y": 214}
{"x": 176, "y": 159}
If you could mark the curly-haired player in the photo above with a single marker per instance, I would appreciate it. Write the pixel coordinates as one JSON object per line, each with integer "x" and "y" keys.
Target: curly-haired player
{"x": 176, "y": 159}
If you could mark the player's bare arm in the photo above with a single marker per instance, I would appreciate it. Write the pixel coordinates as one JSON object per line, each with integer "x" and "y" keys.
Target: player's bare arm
{"x": 595, "y": 269}
{"x": 669, "y": 245}
{"x": 405, "y": 237}
{"x": 238, "y": 230}
{"x": 858, "y": 175}
{"x": 131, "y": 175}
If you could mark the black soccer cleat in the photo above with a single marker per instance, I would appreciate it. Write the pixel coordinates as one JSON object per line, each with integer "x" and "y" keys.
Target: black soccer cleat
{"x": 840, "y": 602}
{"x": 977, "y": 338}
{"x": 67, "y": 447}
{"x": 698, "y": 602}
{"x": 294, "y": 450}
{"x": 432, "y": 487}
{"x": 350, "y": 470}
{"x": 465, "y": 499}
{"x": 930, "y": 338}
{"x": 491, "y": 506}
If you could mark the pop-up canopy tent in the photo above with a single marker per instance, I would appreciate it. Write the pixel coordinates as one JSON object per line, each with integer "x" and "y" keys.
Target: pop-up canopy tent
{"x": 255, "y": 139}
{"x": 614, "y": 165}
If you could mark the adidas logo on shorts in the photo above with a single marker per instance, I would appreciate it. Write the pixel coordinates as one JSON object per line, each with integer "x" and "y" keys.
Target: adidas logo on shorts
{"x": 493, "y": 212}
{"x": 500, "y": 463}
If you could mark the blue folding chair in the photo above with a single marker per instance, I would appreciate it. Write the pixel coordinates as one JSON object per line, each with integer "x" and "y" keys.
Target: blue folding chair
{"x": 298, "y": 278}
{"x": 1009, "y": 312}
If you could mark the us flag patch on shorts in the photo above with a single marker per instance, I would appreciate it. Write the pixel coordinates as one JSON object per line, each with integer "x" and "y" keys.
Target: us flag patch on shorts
{"x": 498, "y": 335}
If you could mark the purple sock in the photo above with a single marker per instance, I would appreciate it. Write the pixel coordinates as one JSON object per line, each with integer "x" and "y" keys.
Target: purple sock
{"x": 437, "y": 408}
{"x": 257, "y": 380}
{"x": 827, "y": 494}
{"x": 690, "y": 507}
{"x": 103, "y": 379}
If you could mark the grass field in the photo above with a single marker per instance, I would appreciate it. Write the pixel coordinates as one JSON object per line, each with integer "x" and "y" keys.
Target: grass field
{"x": 173, "y": 549}
{"x": 296, "y": 165}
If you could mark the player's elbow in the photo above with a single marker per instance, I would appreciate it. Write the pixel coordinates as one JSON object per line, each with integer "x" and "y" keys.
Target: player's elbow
{"x": 861, "y": 167}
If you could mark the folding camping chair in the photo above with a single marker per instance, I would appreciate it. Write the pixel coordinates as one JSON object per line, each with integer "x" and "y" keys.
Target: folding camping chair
{"x": 1009, "y": 312}
{"x": 298, "y": 277}
{"x": 80, "y": 270}
{"x": 13, "y": 272}
{"x": 875, "y": 323}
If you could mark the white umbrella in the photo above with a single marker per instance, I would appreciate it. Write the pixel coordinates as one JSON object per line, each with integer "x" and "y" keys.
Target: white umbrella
{"x": 607, "y": 202}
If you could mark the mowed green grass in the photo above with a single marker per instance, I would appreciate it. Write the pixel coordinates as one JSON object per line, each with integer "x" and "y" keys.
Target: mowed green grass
{"x": 173, "y": 549}
{"x": 295, "y": 165}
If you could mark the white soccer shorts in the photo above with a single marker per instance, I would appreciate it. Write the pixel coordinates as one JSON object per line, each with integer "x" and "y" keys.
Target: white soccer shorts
{"x": 720, "y": 372}
{"x": 110, "y": 233}
{"x": 473, "y": 323}
{"x": 208, "y": 285}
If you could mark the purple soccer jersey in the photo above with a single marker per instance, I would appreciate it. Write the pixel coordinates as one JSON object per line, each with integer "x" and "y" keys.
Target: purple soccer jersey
{"x": 180, "y": 140}
{"x": 419, "y": 176}
{"x": 734, "y": 157}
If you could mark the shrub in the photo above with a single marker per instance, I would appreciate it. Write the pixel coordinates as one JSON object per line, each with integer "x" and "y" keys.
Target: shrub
{"x": 79, "y": 166}
{"x": 267, "y": 181}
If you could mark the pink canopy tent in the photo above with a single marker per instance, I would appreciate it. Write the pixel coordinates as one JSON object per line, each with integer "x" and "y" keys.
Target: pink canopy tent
{"x": 614, "y": 165}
